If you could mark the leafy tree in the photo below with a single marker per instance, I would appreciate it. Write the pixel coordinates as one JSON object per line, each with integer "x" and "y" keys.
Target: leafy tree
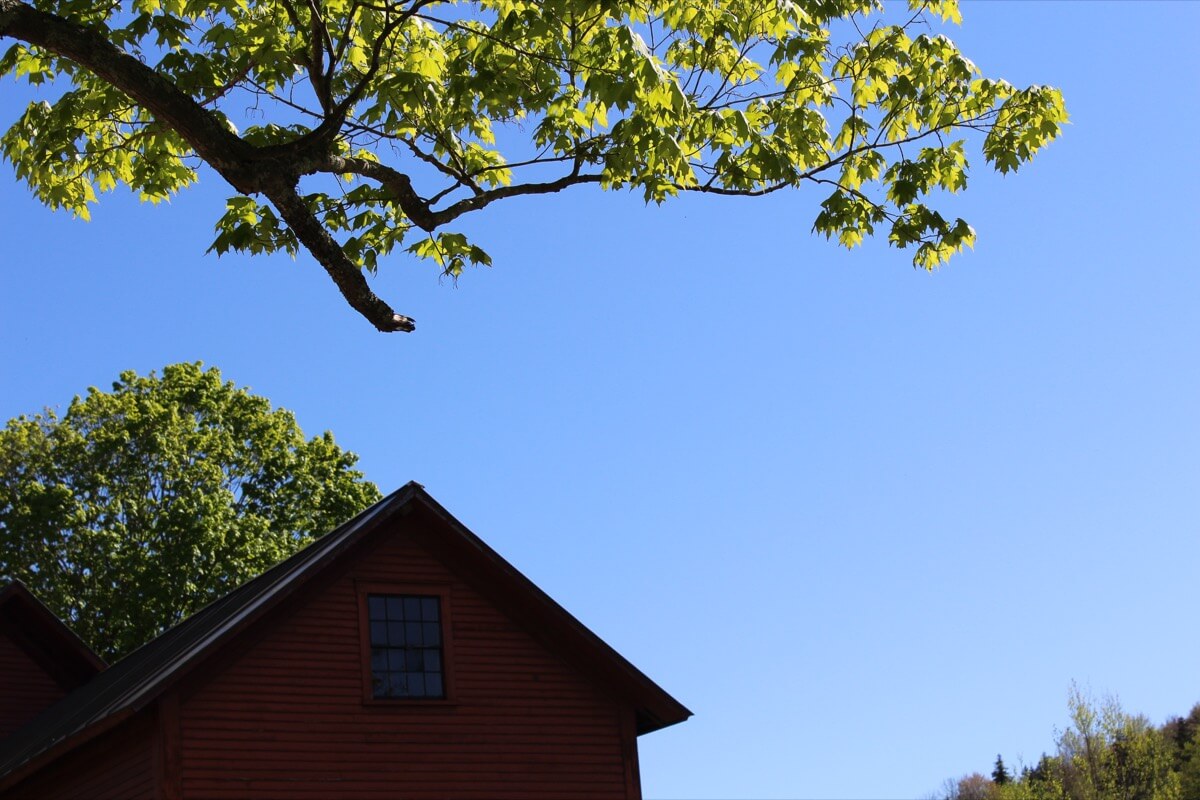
{"x": 370, "y": 126}
{"x": 1189, "y": 770}
{"x": 1042, "y": 782}
{"x": 1107, "y": 754}
{"x": 1181, "y": 732}
{"x": 1104, "y": 754}
{"x": 974, "y": 787}
{"x": 140, "y": 505}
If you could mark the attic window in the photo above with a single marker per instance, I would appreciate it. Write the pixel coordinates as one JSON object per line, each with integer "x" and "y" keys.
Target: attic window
{"x": 406, "y": 646}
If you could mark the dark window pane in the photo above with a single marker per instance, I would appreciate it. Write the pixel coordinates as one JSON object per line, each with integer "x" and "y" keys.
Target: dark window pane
{"x": 406, "y": 641}
{"x": 429, "y": 609}
{"x": 395, "y": 607}
{"x": 412, "y": 608}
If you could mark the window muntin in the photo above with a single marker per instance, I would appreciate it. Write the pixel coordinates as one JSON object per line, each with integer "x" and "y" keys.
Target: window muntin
{"x": 406, "y": 646}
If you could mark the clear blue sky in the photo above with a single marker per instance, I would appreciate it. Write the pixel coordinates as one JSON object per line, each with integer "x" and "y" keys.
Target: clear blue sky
{"x": 867, "y": 522}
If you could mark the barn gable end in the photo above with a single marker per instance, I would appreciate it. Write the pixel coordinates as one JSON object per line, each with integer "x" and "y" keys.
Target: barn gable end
{"x": 397, "y": 656}
{"x": 292, "y": 714}
{"x": 41, "y": 660}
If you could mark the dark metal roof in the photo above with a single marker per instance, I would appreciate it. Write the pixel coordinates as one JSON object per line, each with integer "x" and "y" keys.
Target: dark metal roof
{"x": 139, "y": 678}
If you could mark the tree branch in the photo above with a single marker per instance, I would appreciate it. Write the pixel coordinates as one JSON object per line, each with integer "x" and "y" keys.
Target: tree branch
{"x": 400, "y": 187}
{"x": 491, "y": 195}
{"x": 203, "y": 131}
{"x": 271, "y": 171}
{"x": 348, "y": 277}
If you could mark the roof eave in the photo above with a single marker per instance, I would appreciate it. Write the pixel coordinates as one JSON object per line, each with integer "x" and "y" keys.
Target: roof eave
{"x": 55, "y": 639}
{"x": 655, "y": 708}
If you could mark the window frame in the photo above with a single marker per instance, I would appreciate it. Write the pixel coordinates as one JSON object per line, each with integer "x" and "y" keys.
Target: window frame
{"x": 438, "y": 590}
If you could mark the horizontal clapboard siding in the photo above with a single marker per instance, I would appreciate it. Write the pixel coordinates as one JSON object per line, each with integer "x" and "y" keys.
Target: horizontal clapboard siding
{"x": 287, "y": 718}
{"x": 118, "y": 766}
{"x": 25, "y": 688}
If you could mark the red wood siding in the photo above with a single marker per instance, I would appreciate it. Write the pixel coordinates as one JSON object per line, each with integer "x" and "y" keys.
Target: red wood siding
{"x": 115, "y": 766}
{"x": 25, "y": 688}
{"x": 287, "y": 718}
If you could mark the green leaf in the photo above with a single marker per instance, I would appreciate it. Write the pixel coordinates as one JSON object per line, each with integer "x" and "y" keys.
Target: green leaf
{"x": 503, "y": 98}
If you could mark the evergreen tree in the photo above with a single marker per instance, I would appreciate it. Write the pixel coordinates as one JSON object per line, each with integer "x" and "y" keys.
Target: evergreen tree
{"x": 1000, "y": 774}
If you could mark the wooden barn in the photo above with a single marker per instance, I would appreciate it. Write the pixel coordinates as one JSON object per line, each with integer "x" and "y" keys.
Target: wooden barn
{"x": 397, "y": 657}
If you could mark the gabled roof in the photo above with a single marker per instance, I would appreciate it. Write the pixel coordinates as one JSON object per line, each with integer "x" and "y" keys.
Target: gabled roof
{"x": 51, "y": 644}
{"x": 137, "y": 680}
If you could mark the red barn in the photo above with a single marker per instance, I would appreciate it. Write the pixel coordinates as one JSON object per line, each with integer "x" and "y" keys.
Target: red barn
{"x": 397, "y": 657}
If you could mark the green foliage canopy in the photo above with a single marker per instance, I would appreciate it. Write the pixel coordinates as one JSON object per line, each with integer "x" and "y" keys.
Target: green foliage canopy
{"x": 140, "y": 505}
{"x": 374, "y": 125}
{"x": 1107, "y": 753}
{"x": 1104, "y": 754}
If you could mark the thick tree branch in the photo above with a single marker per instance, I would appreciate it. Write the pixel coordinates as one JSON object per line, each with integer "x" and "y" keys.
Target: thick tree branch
{"x": 492, "y": 195}
{"x": 315, "y": 65}
{"x": 435, "y": 85}
{"x": 202, "y": 130}
{"x": 272, "y": 171}
{"x": 348, "y": 277}
{"x": 382, "y": 40}
{"x": 707, "y": 189}
{"x": 400, "y": 187}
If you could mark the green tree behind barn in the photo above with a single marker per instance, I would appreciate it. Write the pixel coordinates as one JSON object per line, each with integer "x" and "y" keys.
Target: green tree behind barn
{"x": 140, "y": 505}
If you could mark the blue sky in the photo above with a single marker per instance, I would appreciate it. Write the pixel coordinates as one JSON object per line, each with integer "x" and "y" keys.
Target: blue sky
{"x": 868, "y": 523}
